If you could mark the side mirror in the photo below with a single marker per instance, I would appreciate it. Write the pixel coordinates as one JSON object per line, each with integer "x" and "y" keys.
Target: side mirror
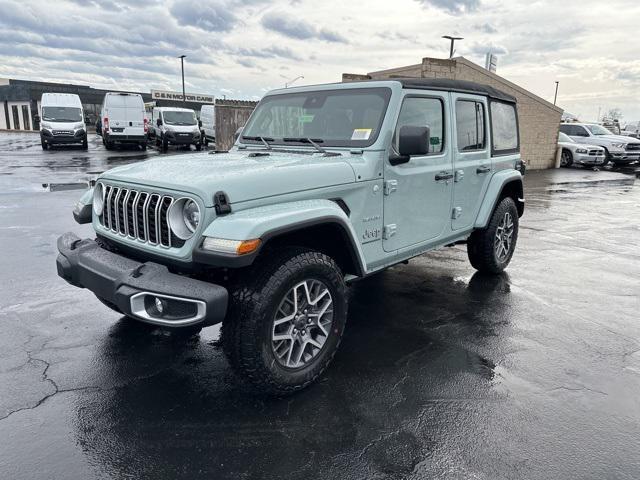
{"x": 200, "y": 123}
{"x": 237, "y": 134}
{"x": 412, "y": 141}
{"x": 159, "y": 122}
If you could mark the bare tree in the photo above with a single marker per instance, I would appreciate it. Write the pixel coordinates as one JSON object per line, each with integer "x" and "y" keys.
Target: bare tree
{"x": 613, "y": 114}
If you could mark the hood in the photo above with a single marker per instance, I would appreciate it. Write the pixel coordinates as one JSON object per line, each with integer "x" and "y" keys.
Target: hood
{"x": 182, "y": 128}
{"x": 617, "y": 138}
{"x": 586, "y": 146}
{"x": 241, "y": 176}
{"x": 63, "y": 125}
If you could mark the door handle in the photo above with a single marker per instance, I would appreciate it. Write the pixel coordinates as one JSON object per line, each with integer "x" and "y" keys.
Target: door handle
{"x": 444, "y": 176}
{"x": 481, "y": 170}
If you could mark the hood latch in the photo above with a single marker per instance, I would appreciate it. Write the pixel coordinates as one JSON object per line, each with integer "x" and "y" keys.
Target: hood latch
{"x": 221, "y": 203}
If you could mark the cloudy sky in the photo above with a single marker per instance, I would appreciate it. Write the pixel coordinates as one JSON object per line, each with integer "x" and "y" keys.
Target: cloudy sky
{"x": 243, "y": 48}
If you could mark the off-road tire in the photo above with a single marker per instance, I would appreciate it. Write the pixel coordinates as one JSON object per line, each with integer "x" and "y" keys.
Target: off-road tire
{"x": 566, "y": 159}
{"x": 481, "y": 243}
{"x": 246, "y": 334}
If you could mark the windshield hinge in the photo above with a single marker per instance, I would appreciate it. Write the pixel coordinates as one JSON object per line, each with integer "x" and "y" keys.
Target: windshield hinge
{"x": 221, "y": 203}
{"x": 390, "y": 186}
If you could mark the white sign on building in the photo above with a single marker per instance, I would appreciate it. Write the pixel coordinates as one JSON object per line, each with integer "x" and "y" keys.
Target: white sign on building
{"x": 177, "y": 96}
{"x": 491, "y": 62}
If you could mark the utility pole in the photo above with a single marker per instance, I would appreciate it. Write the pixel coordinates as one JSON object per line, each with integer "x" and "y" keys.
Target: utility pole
{"x": 555, "y": 97}
{"x": 184, "y": 96}
{"x": 453, "y": 41}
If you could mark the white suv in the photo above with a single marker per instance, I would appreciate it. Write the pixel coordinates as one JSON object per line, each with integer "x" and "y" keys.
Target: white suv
{"x": 619, "y": 149}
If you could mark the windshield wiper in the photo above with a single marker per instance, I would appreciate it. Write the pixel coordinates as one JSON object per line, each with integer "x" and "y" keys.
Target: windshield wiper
{"x": 264, "y": 140}
{"x": 313, "y": 143}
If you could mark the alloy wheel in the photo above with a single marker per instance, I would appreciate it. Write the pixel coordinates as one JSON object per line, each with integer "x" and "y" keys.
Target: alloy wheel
{"x": 503, "y": 238}
{"x": 302, "y": 324}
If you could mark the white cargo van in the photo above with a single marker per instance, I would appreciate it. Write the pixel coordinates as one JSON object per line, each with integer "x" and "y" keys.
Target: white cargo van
{"x": 123, "y": 120}
{"x": 62, "y": 120}
{"x": 208, "y": 119}
{"x": 175, "y": 126}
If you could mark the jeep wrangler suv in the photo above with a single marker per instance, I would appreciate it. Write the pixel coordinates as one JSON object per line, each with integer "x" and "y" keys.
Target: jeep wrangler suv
{"x": 324, "y": 185}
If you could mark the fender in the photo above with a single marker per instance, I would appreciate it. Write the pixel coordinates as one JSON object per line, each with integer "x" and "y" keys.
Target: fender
{"x": 496, "y": 185}
{"x": 83, "y": 209}
{"x": 272, "y": 220}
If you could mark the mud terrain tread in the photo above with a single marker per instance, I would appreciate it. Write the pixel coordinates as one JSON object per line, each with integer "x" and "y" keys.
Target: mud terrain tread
{"x": 241, "y": 333}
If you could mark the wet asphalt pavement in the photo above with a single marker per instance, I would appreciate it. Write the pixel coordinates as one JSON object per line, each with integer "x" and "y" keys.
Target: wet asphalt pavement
{"x": 443, "y": 373}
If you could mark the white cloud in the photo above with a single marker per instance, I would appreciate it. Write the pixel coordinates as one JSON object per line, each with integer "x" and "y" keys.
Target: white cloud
{"x": 245, "y": 46}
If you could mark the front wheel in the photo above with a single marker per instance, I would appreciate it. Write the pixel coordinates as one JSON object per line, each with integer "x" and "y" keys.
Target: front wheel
{"x": 85, "y": 144}
{"x": 287, "y": 319}
{"x": 490, "y": 249}
{"x": 566, "y": 160}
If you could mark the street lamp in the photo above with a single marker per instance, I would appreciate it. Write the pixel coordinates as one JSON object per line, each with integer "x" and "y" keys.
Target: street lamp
{"x": 286, "y": 85}
{"x": 184, "y": 97}
{"x": 453, "y": 40}
{"x": 555, "y": 97}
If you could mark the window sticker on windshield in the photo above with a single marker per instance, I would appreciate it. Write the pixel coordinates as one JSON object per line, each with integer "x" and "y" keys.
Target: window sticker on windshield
{"x": 361, "y": 134}
{"x": 306, "y": 118}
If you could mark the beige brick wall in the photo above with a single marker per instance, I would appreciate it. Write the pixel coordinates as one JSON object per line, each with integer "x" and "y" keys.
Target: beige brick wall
{"x": 539, "y": 119}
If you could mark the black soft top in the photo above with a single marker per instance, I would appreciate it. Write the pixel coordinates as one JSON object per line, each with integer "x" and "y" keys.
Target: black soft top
{"x": 455, "y": 86}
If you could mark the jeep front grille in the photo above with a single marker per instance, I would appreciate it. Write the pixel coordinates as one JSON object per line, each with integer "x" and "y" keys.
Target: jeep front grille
{"x": 138, "y": 215}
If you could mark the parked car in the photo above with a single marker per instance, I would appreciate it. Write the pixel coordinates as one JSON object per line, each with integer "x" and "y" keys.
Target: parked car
{"x": 123, "y": 120}
{"x": 619, "y": 149}
{"x": 62, "y": 120}
{"x": 632, "y": 130}
{"x": 580, "y": 153}
{"x": 175, "y": 126}
{"x": 208, "y": 119}
{"x": 326, "y": 184}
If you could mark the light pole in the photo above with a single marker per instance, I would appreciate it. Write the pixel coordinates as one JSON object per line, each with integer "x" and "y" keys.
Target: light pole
{"x": 555, "y": 97}
{"x": 286, "y": 85}
{"x": 184, "y": 97}
{"x": 453, "y": 40}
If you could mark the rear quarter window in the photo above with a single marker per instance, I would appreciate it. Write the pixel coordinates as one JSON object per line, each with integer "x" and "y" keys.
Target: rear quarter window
{"x": 505, "y": 137}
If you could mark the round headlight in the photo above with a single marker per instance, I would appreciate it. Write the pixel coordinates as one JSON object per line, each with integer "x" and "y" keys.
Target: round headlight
{"x": 184, "y": 218}
{"x": 98, "y": 199}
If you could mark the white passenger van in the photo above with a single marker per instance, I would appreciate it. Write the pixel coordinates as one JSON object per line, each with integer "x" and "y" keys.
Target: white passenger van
{"x": 62, "y": 120}
{"x": 123, "y": 120}
{"x": 175, "y": 126}
{"x": 208, "y": 119}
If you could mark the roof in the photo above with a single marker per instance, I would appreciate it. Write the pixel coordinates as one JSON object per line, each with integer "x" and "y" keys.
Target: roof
{"x": 455, "y": 86}
{"x": 60, "y": 100}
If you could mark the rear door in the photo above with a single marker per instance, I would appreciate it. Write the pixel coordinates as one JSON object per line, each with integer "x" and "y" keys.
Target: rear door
{"x": 417, "y": 194}
{"x": 472, "y": 159}
{"x": 134, "y": 112}
{"x": 116, "y": 113}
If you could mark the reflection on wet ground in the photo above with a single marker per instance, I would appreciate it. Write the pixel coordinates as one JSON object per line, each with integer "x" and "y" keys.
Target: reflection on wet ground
{"x": 443, "y": 372}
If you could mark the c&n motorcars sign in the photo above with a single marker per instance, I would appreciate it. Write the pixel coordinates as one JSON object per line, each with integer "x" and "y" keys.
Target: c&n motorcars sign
{"x": 177, "y": 96}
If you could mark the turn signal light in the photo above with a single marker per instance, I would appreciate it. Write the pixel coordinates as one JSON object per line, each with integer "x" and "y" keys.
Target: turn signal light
{"x": 232, "y": 247}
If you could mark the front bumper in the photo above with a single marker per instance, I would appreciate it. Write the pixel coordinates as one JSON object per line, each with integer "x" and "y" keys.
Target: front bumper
{"x": 48, "y": 137}
{"x": 625, "y": 157}
{"x": 133, "y": 286}
{"x": 182, "y": 138}
{"x": 590, "y": 159}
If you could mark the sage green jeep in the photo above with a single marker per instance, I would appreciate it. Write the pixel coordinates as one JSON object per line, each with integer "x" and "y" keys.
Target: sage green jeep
{"x": 325, "y": 184}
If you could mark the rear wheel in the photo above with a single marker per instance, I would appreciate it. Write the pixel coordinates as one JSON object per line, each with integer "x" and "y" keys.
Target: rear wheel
{"x": 287, "y": 319}
{"x": 490, "y": 249}
{"x": 566, "y": 159}
{"x": 143, "y": 146}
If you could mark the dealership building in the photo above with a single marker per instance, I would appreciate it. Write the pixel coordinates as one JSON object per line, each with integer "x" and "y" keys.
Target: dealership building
{"x": 20, "y": 101}
{"x": 539, "y": 119}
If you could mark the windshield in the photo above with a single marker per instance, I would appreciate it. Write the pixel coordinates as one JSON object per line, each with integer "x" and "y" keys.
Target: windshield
{"x": 565, "y": 138}
{"x": 179, "y": 118}
{"x": 598, "y": 130}
{"x": 332, "y": 118}
{"x": 61, "y": 114}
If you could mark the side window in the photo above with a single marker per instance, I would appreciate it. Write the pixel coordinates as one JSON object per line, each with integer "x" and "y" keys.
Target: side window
{"x": 504, "y": 128}
{"x": 423, "y": 112}
{"x": 470, "y": 125}
{"x": 580, "y": 131}
{"x": 564, "y": 128}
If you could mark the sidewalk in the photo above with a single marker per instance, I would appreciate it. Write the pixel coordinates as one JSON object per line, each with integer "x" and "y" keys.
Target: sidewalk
{"x": 541, "y": 179}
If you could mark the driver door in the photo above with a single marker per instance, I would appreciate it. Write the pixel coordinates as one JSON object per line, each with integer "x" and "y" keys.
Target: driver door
{"x": 417, "y": 194}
